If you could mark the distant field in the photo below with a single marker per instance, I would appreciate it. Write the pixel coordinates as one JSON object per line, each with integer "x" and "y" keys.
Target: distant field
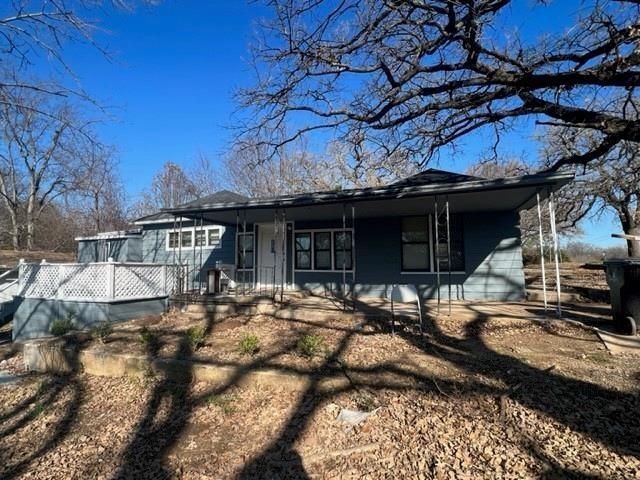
{"x": 11, "y": 258}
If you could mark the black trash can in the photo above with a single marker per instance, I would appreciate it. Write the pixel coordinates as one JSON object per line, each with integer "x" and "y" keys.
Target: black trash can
{"x": 623, "y": 278}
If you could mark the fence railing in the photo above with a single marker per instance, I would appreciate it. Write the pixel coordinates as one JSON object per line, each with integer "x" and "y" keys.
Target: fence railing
{"x": 104, "y": 281}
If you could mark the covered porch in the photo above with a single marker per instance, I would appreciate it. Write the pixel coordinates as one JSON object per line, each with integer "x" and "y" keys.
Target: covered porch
{"x": 451, "y": 241}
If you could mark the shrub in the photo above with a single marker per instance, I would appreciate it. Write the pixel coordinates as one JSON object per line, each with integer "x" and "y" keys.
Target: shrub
{"x": 146, "y": 336}
{"x": 310, "y": 345}
{"x": 61, "y": 326}
{"x": 103, "y": 330}
{"x": 224, "y": 402}
{"x": 250, "y": 344}
{"x": 196, "y": 336}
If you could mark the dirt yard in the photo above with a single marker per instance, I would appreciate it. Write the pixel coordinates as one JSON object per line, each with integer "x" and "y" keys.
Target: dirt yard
{"x": 10, "y": 258}
{"x": 487, "y": 393}
{"x": 589, "y": 282}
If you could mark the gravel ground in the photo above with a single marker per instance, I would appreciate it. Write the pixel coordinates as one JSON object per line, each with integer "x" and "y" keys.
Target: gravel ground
{"x": 491, "y": 394}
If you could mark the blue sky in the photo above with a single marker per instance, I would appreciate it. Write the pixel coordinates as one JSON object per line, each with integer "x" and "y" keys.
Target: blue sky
{"x": 169, "y": 86}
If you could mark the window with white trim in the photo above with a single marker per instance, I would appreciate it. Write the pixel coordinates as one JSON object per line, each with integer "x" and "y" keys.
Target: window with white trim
{"x": 303, "y": 251}
{"x": 321, "y": 250}
{"x": 213, "y": 237}
{"x": 194, "y": 237}
{"x": 343, "y": 243}
{"x": 200, "y": 238}
{"x": 172, "y": 241}
{"x": 187, "y": 239}
{"x": 418, "y": 239}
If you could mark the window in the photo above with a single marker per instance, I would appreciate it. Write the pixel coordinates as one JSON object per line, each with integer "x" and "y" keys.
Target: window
{"x": 245, "y": 251}
{"x": 322, "y": 250}
{"x": 303, "y": 251}
{"x": 173, "y": 239}
{"x": 187, "y": 239}
{"x": 213, "y": 239}
{"x": 200, "y": 236}
{"x": 415, "y": 245}
{"x": 343, "y": 243}
{"x": 419, "y": 246}
{"x": 457, "y": 243}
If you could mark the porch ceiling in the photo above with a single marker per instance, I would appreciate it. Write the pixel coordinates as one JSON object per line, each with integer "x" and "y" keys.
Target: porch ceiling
{"x": 399, "y": 205}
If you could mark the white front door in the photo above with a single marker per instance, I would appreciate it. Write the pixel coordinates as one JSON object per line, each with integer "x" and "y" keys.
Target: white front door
{"x": 270, "y": 255}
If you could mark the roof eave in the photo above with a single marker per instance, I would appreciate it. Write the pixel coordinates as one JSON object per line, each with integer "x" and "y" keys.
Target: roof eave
{"x": 553, "y": 180}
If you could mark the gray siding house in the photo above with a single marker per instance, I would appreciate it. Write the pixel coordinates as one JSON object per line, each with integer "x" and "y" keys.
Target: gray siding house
{"x": 436, "y": 230}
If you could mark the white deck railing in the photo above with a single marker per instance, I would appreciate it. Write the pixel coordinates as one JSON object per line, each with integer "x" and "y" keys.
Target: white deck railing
{"x": 104, "y": 281}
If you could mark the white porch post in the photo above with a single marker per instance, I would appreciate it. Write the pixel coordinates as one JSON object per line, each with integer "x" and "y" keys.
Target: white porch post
{"x": 448, "y": 253}
{"x": 111, "y": 279}
{"x": 437, "y": 256}
{"x": 544, "y": 276}
{"x": 353, "y": 255}
{"x": 344, "y": 260}
{"x": 554, "y": 234}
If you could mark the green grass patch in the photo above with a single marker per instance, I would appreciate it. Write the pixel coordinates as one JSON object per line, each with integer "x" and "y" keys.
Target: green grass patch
{"x": 249, "y": 344}
{"x": 102, "y": 331}
{"x": 196, "y": 337}
{"x": 61, "y": 326}
{"x": 311, "y": 345}
{"x": 146, "y": 337}
{"x": 227, "y": 403}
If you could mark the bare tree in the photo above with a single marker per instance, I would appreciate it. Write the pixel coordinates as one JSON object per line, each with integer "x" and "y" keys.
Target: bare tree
{"x": 33, "y": 30}
{"x": 251, "y": 171}
{"x": 611, "y": 182}
{"x": 39, "y": 159}
{"x": 170, "y": 187}
{"x": 572, "y": 204}
{"x": 422, "y": 75}
{"x": 98, "y": 200}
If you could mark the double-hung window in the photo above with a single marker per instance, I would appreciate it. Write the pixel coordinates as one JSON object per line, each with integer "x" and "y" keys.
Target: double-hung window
{"x": 415, "y": 245}
{"x": 303, "y": 251}
{"x": 421, "y": 248}
{"x": 213, "y": 237}
{"x": 245, "y": 251}
{"x": 343, "y": 245}
{"x": 173, "y": 240}
{"x": 200, "y": 238}
{"x": 323, "y": 250}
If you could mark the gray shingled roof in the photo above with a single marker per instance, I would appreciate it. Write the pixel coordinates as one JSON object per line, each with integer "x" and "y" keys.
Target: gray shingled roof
{"x": 432, "y": 176}
{"x": 223, "y": 196}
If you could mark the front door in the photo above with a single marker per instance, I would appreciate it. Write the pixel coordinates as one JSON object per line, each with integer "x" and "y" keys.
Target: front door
{"x": 270, "y": 255}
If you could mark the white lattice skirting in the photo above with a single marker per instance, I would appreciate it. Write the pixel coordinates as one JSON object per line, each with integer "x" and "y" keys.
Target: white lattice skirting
{"x": 107, "y": 281}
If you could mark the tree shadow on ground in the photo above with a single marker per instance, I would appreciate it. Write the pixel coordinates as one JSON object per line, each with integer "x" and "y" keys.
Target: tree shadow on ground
{"x": 172, "y": 401}
{"x": 52, "y": 390}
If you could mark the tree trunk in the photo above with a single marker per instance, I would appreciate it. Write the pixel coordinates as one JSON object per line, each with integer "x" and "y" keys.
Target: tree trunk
{"x": 633, "y": 246}
{"x": 15, "y": 231}
{"x": 30, "y": 221}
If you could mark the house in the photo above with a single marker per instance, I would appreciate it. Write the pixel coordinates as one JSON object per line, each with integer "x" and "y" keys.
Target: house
{"x": 445, "y": 233}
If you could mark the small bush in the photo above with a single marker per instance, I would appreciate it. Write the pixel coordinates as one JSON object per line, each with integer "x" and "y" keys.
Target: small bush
{"x": 250, "y": 344}
{"x": 146, "y": 336}
{"x": 102, "y": 331}
{"x": 224, "y": 402}
{"x": 310, "y": 345}
{"x": 196, "y": 336}
{"x": 61, "y": 326}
